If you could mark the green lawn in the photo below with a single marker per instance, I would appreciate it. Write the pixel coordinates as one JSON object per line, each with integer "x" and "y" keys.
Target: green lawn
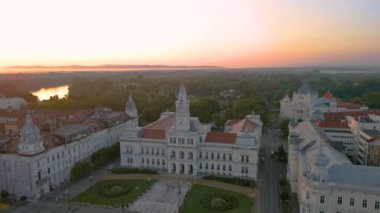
{"x": 193, "y": 202}
{"x": 91, "y": 195}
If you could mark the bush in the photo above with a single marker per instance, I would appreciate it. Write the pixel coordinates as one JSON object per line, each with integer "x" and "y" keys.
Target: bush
{"x": 4, "y": 194}
{"x": 234, "y": 180}
{"x": 115, "y": 189}
{"x": 133, "y": 171}
{"x": 23, "y": 198}
{"x": 219, "y": 202}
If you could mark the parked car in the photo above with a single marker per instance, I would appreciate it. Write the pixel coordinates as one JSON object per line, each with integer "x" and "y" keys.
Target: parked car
{"x": 110, "y": 167}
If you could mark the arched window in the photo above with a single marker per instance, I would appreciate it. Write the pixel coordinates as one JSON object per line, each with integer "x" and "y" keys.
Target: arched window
{"x": 190, "y": 156}
{"x": 172, "y": 155}
{"x": 181, "y": 155}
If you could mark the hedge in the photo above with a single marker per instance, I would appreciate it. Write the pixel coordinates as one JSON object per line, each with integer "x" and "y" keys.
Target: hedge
{"x": 133, "y": 171}
{"x": 232, "y": 180}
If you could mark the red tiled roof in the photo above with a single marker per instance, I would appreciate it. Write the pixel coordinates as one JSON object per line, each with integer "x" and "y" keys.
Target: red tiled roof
{"x": 154, "y": 134}
{"x": 163, "y": 123}
{"x": 328, "y": 95}
{"x": 333, "y": 124}
{"x": 347, "y": 105}
{"x": 220, "y": 137}
{"x": 339, "y": 116}
{"x": 232, "y": 121}
{"x": 242, "y": 125}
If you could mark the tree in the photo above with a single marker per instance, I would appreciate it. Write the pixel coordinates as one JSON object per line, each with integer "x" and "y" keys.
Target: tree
{"x": 80, "y": 169}
{"x": 284, "y": 126}
{"x": 204, "y": 108}
{"x": 4, "y": 194}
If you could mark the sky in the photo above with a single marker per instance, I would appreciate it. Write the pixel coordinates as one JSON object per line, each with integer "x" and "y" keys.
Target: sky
{"x": 228, "y": 33}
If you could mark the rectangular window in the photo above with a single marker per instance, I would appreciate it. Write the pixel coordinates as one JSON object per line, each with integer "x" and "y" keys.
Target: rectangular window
{"x": 200, "y": 165}
{"x": 377, "y": 205}
{"x": 242, "y": 158}
{"x": 230, "y": 157}
{"x": 212, "y": 155}
{"x": 322, "y": 199}
{"x": 200, "y": 155}
{"x": 339, "y": 200}
{"x": 229, "y": 168}
{"x": 364, "y": 204}
{"x": 352, "y": 202}
{"x": 224, "y": 156}
{"x": 218, "y": 156}
{"x": 247, "y": 158}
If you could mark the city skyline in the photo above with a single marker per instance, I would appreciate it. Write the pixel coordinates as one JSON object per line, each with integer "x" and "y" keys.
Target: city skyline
{"x": 215, "y": 33}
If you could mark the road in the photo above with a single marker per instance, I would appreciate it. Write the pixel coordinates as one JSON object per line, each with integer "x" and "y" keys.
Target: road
{"x": 270, "y": 171}
{"x": 48, "y": 202}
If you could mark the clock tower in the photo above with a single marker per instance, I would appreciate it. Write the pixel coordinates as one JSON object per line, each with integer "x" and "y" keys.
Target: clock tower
{"x": 182, "y": 116}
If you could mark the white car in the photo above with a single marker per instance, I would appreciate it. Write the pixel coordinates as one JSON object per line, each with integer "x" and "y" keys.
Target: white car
{"x": 110, "y": 167}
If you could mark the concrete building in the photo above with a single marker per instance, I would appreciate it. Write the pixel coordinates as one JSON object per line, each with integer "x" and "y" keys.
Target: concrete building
{"x": 179, "y": 144}
{"x": 11, "y": 103}
{"x": 34, "y": 163}
{"x": 324, "y": 179}
{"x": 358, "y": 131}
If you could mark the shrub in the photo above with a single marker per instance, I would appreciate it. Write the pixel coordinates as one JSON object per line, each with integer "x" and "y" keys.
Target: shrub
{"x": 4, "y": 194}
{"x": 219, "y": 202}
{"x": 234, "y": 180}
{"x": 133, "y": 171}
{"x": 115, "y": 189}
{"x": 23, "y": 198}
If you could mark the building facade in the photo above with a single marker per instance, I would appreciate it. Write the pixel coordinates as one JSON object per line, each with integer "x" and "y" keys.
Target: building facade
{"x": 357, "y": 131}
{"x": 179, "y": 144}
{"x": 305, "y": 104}
{"x": 324, "y": 179}
{"x": 34, "y": 164}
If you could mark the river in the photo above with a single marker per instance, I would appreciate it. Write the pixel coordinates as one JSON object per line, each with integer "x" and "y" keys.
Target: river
{"x": 45, "y": 93}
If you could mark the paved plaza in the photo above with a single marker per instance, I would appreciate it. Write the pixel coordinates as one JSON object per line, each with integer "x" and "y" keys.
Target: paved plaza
{"x": 164, "y": 197}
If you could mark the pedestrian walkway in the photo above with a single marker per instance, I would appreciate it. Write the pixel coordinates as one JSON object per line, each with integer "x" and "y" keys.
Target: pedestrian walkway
{"x": 249, "y": 191}
{"x": 163, "y": 197}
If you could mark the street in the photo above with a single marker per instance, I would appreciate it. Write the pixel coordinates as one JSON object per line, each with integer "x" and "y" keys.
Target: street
{"x": 270, "y": 171}
{"x": 54, "y": 202}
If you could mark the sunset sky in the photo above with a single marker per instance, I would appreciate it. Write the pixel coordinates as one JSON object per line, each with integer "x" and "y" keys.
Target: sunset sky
{"x": 229, "y": 33}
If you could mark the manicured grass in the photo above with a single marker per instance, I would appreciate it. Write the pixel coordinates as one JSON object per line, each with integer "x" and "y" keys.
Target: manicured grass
{"x": 92, "y": 195}
{"x": 193, "y": 202}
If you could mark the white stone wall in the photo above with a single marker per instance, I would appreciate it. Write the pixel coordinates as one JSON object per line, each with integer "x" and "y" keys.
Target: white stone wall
{"x": 51, "y": 168}
{"x": 207, "y": 158}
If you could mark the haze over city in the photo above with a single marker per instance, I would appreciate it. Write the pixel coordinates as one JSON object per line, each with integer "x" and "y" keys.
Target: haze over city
{"x": 241, "y": 33}
{"x": 190, "y": 106}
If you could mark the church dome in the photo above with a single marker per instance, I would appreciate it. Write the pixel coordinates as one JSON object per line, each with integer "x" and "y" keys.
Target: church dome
{"x": 30, "y": 132}
{"x": 130, "y": 108}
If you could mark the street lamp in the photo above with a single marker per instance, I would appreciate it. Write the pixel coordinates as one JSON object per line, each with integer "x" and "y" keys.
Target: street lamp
{"x": 67, "y": 196}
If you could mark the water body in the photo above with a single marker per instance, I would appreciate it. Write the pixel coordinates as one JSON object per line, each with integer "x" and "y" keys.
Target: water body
{"x": 45, "y": 93}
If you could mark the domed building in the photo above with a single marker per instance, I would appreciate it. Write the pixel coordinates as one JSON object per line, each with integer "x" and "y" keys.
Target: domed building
{"x": 30, "y": 142}
{"x": 324, "y": 179}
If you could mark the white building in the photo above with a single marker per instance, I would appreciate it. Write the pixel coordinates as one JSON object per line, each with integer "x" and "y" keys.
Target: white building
{"x": 358, "y": 131}
{"x": 305, "y": 104}
{"x": 11, "y": 103}
{"x": 324, "y": 179}
{"x": 35, "y": 164}
{"x": 179, "y": 144}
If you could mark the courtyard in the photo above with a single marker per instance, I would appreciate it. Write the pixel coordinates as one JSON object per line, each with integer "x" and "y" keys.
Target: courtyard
{"x": 163, "y": 197}
{"x": 114, "y": 193}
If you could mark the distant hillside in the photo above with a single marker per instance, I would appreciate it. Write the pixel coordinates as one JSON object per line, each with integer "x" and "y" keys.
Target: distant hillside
{"x": 112, "y": 66}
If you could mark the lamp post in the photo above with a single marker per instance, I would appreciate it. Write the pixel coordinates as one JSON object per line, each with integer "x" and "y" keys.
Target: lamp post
{"x": 67, "y": 196}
